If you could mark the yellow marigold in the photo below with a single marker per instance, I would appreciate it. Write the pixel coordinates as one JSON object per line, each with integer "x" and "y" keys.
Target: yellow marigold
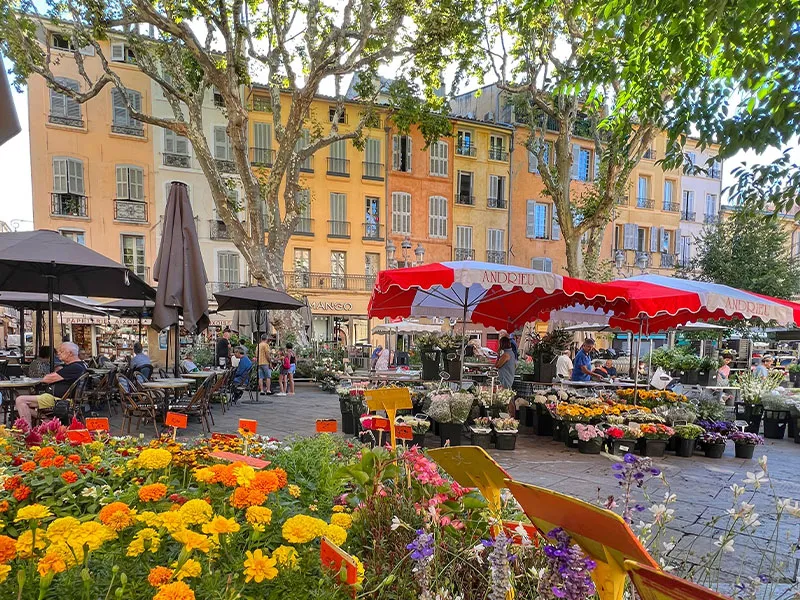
{"x": 116, "y": 515}
{"x": 258, "y": 514}
{"x": 343, "y": 520}
{"x": 301, "y": 529}
{"x": 51, "y": 563}
{"x": 338, "y": 508}
{"x": 153, "y": 492}
{"x": 259, "y": 567}
{"x": 61, "y": 529}
{"x": 25, "y": 544}
{"x": 191, "y": 568}
{"x": 335, "y": 534}
{"x": 195, "y": 512}
{"x": 193, "y": 541}
{"x": 220, "y": 524}
{"x": 4, "y": 571}
{"x": 244, "y": 474}
{"x": 159, "y": 576}
{"x": 172, "y": 521}
{"x": 34, "y": 512}
{"x": 294, "y": 490}
{"x": 285, "y": 555}
{"x": 145, "y": 539}
{"x": 69, "y": 551}
{"x": 153, "y": 458}
{"x": 149, "y": 518}
{"x": 204, "y": 475}
{"x": 92, "y": 534}
{"x": 359, "y": 570}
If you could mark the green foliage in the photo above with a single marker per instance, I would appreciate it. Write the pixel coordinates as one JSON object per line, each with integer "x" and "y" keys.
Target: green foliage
{"x": 203, "y": 355}
{"x": 710, "y": 408}
{"x": 688, "y": 432}
{"x": 551, "y": 345}
{"x": 427, "y": 342}
{"x": 679, "y": 358}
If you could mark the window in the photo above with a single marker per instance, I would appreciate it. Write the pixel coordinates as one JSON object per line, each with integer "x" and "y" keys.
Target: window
{"x": 130, "y": 183}
{"x": 338, "y": 272}
{"x": 372, "y": 218}
{"x": 122, "y": 117}
{"x": 437, "y": 217}
{"x": 60, "y": 42}
{"x": 262, "y": 143}
{"x": 536, "y": 220}
{"x": 533, "y": 161}
{"x": 401, "y": 213}
{"x": 64, "y": 107}
{"x": 687, "y": 210}
{"x": 666, "y": 241}
{"x": 373, "y": 165}
{"x": 302, "y": 267}
{"x": 332, "y": 114}
{"x": 643, "y": 192}
{"x": 401, "y": 153}
{"x": 175, "y": 144}
{"x": 685, "y": 252}
{"x": 439, "y": 159}
{"x": 228, "y": 268}
{"x": 495, "y": 246}
{"x": 372, "y": 261}
{"x": 497, "y": 150}
{"x": 711, "y": 205}
{"x": 691, "y": 157}
{"x": 465, "y": 143}
{"x": 715, "y": 169}
{"x": 219, "y": 100}
{"x": 122, "y": 53}
{"x": 497, "y": 191}
{"x": 337, "y": 161}
{"x": 556, "y": 228}
{"x": 641, "y": 239}
{"x": 795, "y": 243}
{"x": 669, "y": 193}
{"x": 75, "y": 235}
{"x": 222, "y": 144}
{"x": 582, "y": 160}
{"x": 68, "y": 176}
{"x": 133, "y": 253}
{"x": 303, "y": 142}
{"x": 542, "y": 263}
{"x": 339, "y": 225}
{"x": 463, "y": 239}
{"x": 465, "y": 181}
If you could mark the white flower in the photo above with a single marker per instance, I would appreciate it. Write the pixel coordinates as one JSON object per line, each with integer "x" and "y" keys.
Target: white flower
{"x": 89, "y": 492}
{"x": 477, "y": 549}
{"x": 756, "y": 479}
{"x": 668, "y": 546}
{"x": 737, "y": 490}
{"x": 762, "y": 462}
{"x": 751, "y": 520}
{"x": 670, "y": 498}
{"x": 396, "y": 523}
{"x": 661, "y": 514}
{"x": 787, "y": 506}
{"x": 727, "y": 546}
{"x": 524, "y": 537}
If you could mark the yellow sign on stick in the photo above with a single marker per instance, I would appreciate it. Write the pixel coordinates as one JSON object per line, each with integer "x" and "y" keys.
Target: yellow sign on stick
{"x": 652, "y": 584}
{"x": 391, "y": 400}
{"x": 602, "y": 534}
{"x": 471, "y": 466}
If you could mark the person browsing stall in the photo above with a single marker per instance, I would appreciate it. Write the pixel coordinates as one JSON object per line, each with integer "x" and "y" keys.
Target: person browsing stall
{"x": 264, "y": 366}
{"x": 765, "y": 367}
{"x": 564, "y": 365}
{"x": 506, "y": 364}
{"x": 582, "y": 365}
{"x": 223, "y": 350}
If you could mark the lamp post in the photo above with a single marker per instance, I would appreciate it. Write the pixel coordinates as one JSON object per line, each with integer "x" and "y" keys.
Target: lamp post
{"x": 419, "y": 252}
{"x": 391, "y": 249}
{"x": 642, "y": 262}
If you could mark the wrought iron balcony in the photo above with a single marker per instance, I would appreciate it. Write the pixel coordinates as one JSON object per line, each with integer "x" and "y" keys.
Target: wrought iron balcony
{"x": 182, "y": 161}
{"x": 498, "y": 154}
{"x": 622, "y": 201}
{"x": 668, "y": 260}
{"x": 373, "y": 231}
{"x": 372, "y": 170}
{"x": 304, "y": 227}
{"x": 68, "y": 205}
{"x": 688, "y": 216}
{"x": 496, "y": 256}
{"x": 130, "y": 211}
{"x": 221, "y": 286}
{"x": 467, "y": 150}
{"x": 465, "y": 200}
{"x": 218, "y": 230}
{"x": 672, "y": 207}
{"x": 339, "y": 229}
{"x": 307, "y": 166}
{"x": 463, "y": 254}
{"x": 339, "y": 167}
{"x": 709, "y": 219}
{"x": 496, "y": 202}
{"x": 225, "y": 166}
{"x": 645, "y": 202}
{"x": 134, "y": 130}
{"x": 262, "y": 157}
{"x": 301, "y": 279}
{"x": 68, "y": 121}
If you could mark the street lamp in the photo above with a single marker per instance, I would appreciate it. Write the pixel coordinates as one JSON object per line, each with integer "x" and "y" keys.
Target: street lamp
{"x": 391, "y": 249}
{"x": 406, "y": 246}
{"x": 419, "y": 252}
{"x": 643, "y": 261}
{"x": 619, "y": 259}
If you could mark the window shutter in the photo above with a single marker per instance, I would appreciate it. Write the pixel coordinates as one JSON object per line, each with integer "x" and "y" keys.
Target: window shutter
{"x": 58, "y": 104}
{"x": 576, "y": 161}
{"x": 118, "y": 52}
{"x": 493, "y": 187}
{"x": 629, "y": 242}
{"x": 169, "y": 141}
{"x": 530, "y": 218}
{"x": 261, "y": 135}
{"x": 135, "y": 99}
{"x": 120, "y": 110}
{"x": 556, "y": 233}
{"x": 654, "y": 238}
{"x": 220, "y": 143}
{"x": 597, "y": 159}
{"x": 136, "y": 178}
{"x": 408, "y": 154}
{"x": 59, "y": 175}
{"x": 122, "y": 182}
{"x": 533, "y": 163}
{"x": 181, "y": 145}
{"x": 664, "y": 241}
{"x": 396, "y": 152}
{"x": 75, "y": 176}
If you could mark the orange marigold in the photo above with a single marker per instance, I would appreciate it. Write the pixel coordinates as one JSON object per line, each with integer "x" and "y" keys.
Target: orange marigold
{"x": 224, "y": 474}
{"x": 69, "y": 476}
{"x": 8, "y": 549}
{"x": 282, "y": 478}
{"x": 159, "y": 576}
{"x": 116, "y": 515}
{"x": 74, "y": 459}
{"x": 59, "y": 461}
{"x": 153, "y": 492}
{"x": 243, "y": 497}
{"x": 12, "y": 483}
{"x": 46, "y": 462}
{"x": 175, "y": 591}
{"x": 4, "y": 506}
{"x": 27, "y": 466}
{"x": 265, "y": 481}
{"x": 21, "y": 493}
{"x": 46, "y": 452}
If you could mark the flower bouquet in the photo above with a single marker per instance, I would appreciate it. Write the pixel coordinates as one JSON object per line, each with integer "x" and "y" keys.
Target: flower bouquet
{"x": 506, "y": 430}
{"x": 654, "y": 438}
{"x": 450, "y": 410}
{"x": 745, "y": 443}
{"x": 687, "y": 439}
{"x": 482, "y": 432}
{"x": 590, "y": 439}
{"x": 714, "y": 444}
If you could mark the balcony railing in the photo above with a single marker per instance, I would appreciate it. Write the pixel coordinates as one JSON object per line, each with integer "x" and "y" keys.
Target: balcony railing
{"x": 623, "y": 201}
{"x": 467, "y": 150}
{"x": 182, "y": 161}
{"x": 465, "y": 200}
{"x": 645, "y": 203}
{"x": 68, "y": 205}
{"x": 68, "y": 121}
{"x": 496, "y": 256}
{"x": 463, "y": 254}
{"x": 339, "y": 167}
{"x": 327, "y": 281}
{"x": 672, "y": 207}
{"x": 262, "y": 157}
{"x": 709, "y": 219}
{"x": 135, "y": 130}
{"x": 218, "y": 230}
{"x": 496, "y": 202}
{"x": 372, "y": 231}
{"x": 307, "y": 166}
{"x": 225, "y": 166}
{"x": 130, "y": 211}
{"x": 304, "y": 226}
{"x": 688, "y": 216}
{"x": 668, "y": 260}
{"x": 221, "y": 286}
{"x": 372, "y": 170}
{"x": 498, "y": 154}
{"x": 339, "y": 229}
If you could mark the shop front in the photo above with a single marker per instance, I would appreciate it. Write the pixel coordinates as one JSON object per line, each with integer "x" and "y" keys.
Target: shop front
{"x": 341, "y": 321}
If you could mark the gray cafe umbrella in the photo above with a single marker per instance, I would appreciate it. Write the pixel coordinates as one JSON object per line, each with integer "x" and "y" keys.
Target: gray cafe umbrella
{"x": 179, "y": 271}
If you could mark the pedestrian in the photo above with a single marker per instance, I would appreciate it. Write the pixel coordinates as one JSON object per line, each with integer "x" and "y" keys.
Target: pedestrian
{"x": 140, "y": 359}
{"x": 724, "y": 372}
{"x": 564, "y": 366}
{"x": 188, "y": 363}
{"x": 292, "y": 368}
{"x": 582, "y": 366}
{"x": 264, "y": 366}
{"x": 285, "y": 365}
{"x": 373, "y": 359}
{"x": 765, "y": 367}
{"x": 506, "y": 364}
{"x": 223, "y": 353}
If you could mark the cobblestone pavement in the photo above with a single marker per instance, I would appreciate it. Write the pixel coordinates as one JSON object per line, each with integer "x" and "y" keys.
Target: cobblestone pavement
{"x": 702, "y": 485}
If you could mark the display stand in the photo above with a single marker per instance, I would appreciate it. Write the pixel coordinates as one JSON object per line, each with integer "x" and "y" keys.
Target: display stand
{"x": 653, "y": 584}
{"x": 390, "y": 400}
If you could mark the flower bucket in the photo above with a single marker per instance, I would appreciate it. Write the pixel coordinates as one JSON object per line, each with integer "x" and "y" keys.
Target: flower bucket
{"x": 570, "y": 441}
{"x": 506, "y": 441}
{"x": 653, "y": 448}
{"x": 791, "y": 428}
{"x": 622, "y": 446}
{"x": 707, "y": 377}
{"x": 525, "y": 415}
{"x": 592, "y": 446}
{"x": 430, "y": 364}
{"x": 450, "y": 431}
{"x": 348, "y": 423}
{"x": 775, "y": 424}
{"x": 715, "y": 450}
{"x": 557, "y": 430}
{"x": 689, "y": 377}
{"x": 453, "y": 367}
{"x": 544, "y": 421}
{"x": 797, "y": 430}
{"x": 418, "y": 440}
{"x": 744, "y": 450}
{"x": 482, "y": 440}
{"x": 750, "y": 413}
{"x": 685, "y": 447}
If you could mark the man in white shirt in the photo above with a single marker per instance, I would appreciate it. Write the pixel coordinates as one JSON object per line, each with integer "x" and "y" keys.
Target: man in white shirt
{"x": 564, "y": 366}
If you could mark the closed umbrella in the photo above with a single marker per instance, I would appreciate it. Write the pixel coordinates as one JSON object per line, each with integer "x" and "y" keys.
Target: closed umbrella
{"x": 179, "y": 271}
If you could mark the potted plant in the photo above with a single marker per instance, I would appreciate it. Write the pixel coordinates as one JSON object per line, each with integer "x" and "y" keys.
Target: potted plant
{"x": 545, "y": 352}
{"x": 351, "y": 405}
{"x": 525, "y": 413}
{"x": 714, "y": 444}
{"x": 621, "y": 440}
{"x": 654, "y": 438}
{"x": 689, "y": 365}
{"x": 427, "y": 345}
{"x": 451, "y": 411}
{"x": 450, "y": 345}
{"x": 794, "y": 374}
{"x": 506, "y": 430}
{"x": 544, "y": 419}
{"x": 745, "y": 443}
{"x": 590, "y": 439}
{"x": 482, "y": 432}
{"x": 419, "y": 427}
{"x": 751, "y": 389}
{"x": 776, "y": 415}
{"x": 526, "y": 369}
{"x": 495, "y": 400}
{"x": 687, "y": 439}
{"x": 707, "y": 371}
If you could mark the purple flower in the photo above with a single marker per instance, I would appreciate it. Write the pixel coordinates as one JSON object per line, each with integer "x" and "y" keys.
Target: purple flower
{"x": 422, "y": 547}
{"x": 630, "y": 458}
{"x": 568, "y": 571}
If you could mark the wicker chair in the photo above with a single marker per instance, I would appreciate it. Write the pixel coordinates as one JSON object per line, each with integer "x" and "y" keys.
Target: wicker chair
{"x": 197, "y": 405}
{"x": 138, "y": 404}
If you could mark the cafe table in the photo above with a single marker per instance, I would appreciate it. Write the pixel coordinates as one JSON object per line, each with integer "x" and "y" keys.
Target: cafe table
{"x": 13, "y": 387}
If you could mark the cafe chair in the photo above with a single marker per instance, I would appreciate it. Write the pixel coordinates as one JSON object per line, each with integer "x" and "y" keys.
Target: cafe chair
{"x": 74, "y": 395}
{"x": 136, "y": 404}
{"x": 197, "y": 405}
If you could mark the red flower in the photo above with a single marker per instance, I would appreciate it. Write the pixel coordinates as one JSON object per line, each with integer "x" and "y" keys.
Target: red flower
{"x": 69, "y": 476}
{"x": 615, "y": 433}
{"x": 13, "y": 483}
{"x": 177, "y": 499}
{"x": 21, "y": 493}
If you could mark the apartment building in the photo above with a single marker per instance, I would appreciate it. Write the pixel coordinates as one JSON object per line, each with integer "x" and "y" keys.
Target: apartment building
{"x": 700, "y": 198}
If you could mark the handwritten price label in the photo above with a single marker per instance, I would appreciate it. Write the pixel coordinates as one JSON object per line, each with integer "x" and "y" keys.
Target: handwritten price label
{"x": 216, "y": 436}
{"x": 176, "y": 420}
{"x": 380, "y": 424}
{"x": 79, "y": 436}
{"x": 248, "y": 425}
{"x": 326, "y": 425}
{"x": 403, "y": 432}
{"x": 97, "y": 424}
{"x": 334, "y": 558}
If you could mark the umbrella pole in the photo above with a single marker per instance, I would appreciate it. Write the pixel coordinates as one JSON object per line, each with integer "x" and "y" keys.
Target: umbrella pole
{"x": 50, "y": 321}
{"x": 636, "y": 362}
{"x": 38, "y": 330}
{"x": 177, "y": 348}
{"x": 463, "y": 334}
{"x": 22, "y": 335}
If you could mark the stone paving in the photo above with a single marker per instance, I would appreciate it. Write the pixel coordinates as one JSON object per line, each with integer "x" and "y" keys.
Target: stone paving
{"x": 702, "y": 485}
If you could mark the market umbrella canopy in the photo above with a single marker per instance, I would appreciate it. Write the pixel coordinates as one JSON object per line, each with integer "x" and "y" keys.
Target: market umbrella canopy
{"x": 405, "y": 327}
{"x": 179, "y": 268}
{"x": 255, "y": 297}
{"x": 45, "y": 261}
{"x": 64, "y": 303}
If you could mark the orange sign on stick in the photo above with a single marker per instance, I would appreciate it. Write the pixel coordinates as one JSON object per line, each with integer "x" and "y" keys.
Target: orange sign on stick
{"x": 79, "y": 436}
{"x": 256, "y": 463}
{"x": 380, "y": 424}
{"x": 249, "y": 426}
{"x": 335, "y": 558}
{"x": 652, "y": 584}
{"x": 176, "y": 420}
{"x": 404, "y": 432}
{"x": 97, "y": 424}
{"x": 326, "y": 425}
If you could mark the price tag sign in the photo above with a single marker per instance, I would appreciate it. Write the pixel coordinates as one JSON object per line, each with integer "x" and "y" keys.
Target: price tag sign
{"x": 223, "y": 436}
{"x": 97, "y": 424}
{"x": 335, "y": 558}
{"x": 176, "y": 420}
{"x": 326, "y": 425}
{"x": 404, "y": 432}
{"x": 380, "y": 424}
{"x": 79, "y": 436}
{"x": 514, "y": 531}
{"x": 249, "y": 426}
{"x": 256, "y": 463}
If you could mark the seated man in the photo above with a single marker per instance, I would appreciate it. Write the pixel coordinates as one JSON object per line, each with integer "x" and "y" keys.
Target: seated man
{"x": 189, "y": 364}
{"x": 242, "y": 375}
{"x": 64, "y": 376}
{"x": 607, "y": 369}
{"x": 139, "y": 358}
